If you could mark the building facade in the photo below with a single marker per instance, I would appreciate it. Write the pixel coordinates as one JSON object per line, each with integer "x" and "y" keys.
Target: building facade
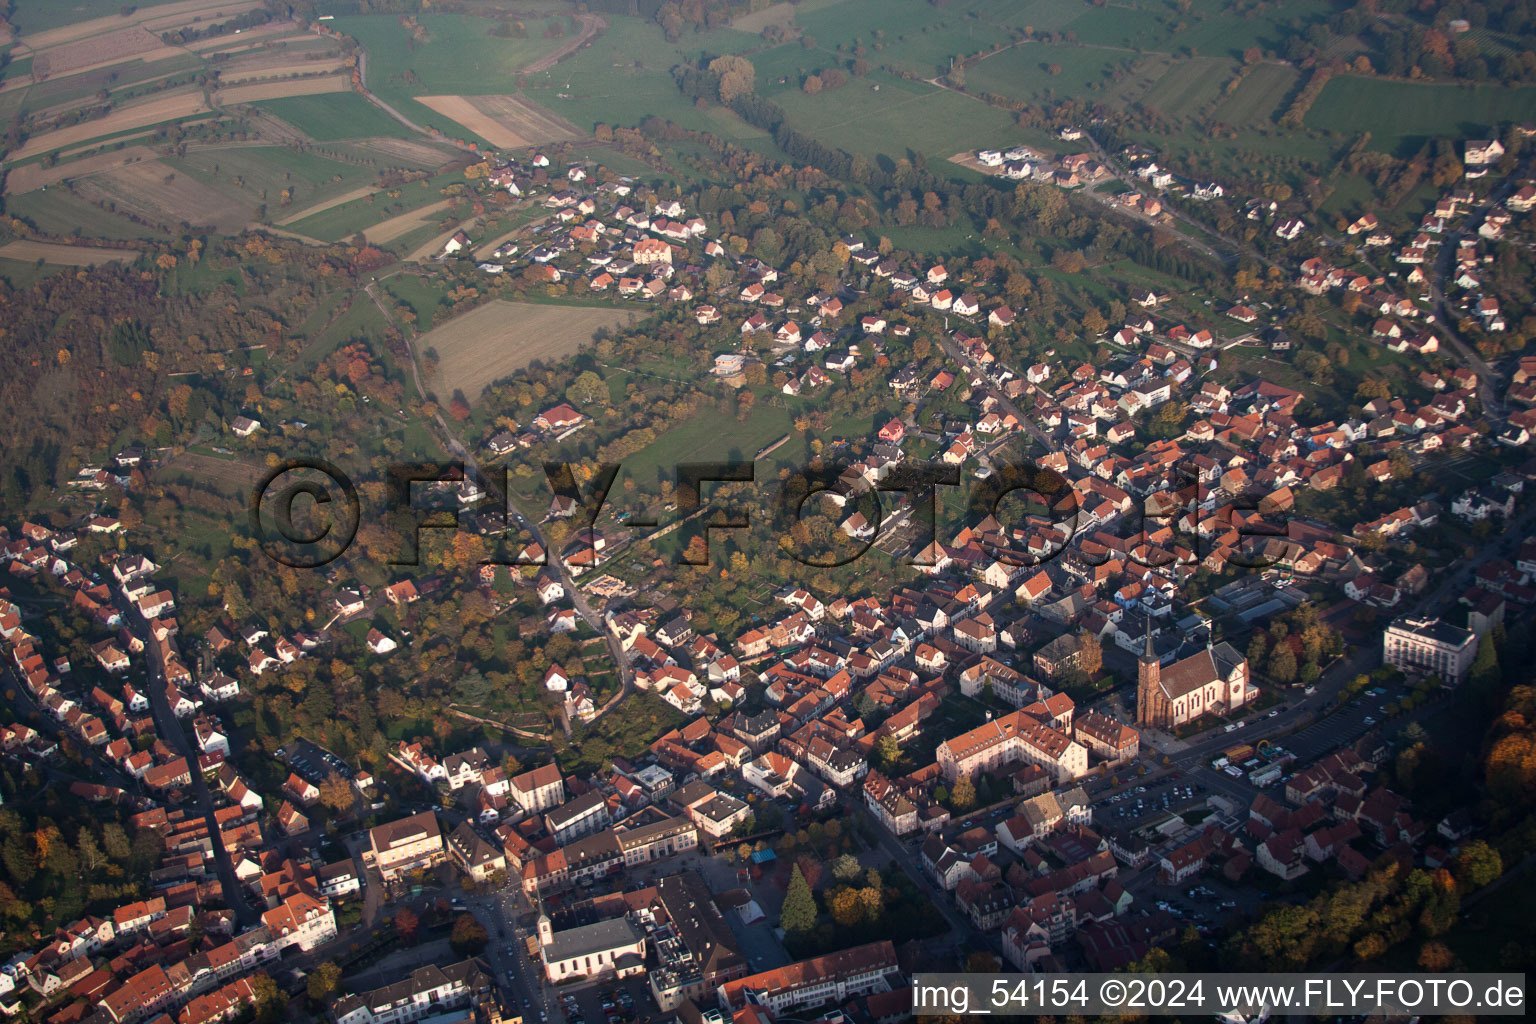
{"x": 1430, "y": 647}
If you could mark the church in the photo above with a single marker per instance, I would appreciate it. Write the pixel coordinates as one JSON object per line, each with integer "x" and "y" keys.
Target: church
{"x": 1213, "y": 681}
{"x": 611, "y": 948}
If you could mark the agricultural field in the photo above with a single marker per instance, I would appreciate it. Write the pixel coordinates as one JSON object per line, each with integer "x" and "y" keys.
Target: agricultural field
{"x": 1401, "y": 116}
{"x": 111, "y": 48}
{"x": 483, "y": 346}
{"x": 59, "y": 212}
{"x": 506, "y": 122}
{"x": 49, "y": 22}
{"x": 320, "y": 85}
{"x": 153, "y": 190}
{"x": 169, "y": 107}
{"x": 37, "y": 175}
{"x": 457, "y": 55}
{"x": 383, "y": 220}
{"x": 331, "y": 118}
{"x": 1190, "y": 86}
{"x": 259, "y": 174}
{"x": 65, "y": 255}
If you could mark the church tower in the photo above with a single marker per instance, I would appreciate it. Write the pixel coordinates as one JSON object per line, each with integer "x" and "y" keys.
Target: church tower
{"x": 546, "y": 930}
{"x": 1149, "y": 671}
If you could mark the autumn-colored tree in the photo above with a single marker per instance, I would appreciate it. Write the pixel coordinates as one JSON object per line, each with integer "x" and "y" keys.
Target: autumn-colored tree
{"x": 736, "y": 76}
{"x": 469, "y": 936}
{"x": 1090, "y": 655}
{"x": 964, "y": 795}
{"x": 323, "y": 981}
{"x": 336, "y": 793}
{"x": 872, "y": 900}
{"x": 407, "y": 923}
{"x": 847, "y": 910}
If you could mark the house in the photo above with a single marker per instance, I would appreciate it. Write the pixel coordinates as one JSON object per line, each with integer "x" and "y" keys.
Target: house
{"x": 1481, "y": 152}
{"x": 404, "y": 592}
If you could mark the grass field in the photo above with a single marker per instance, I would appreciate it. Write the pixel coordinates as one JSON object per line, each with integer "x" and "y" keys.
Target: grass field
{"x": 710, "y": 436}
{"x": 373, "y": 213}
{"x": 902, "y": 118}
{"x": 1022, "y": 72}
{"x": 329, "y": 118}
{"x": 496, "y": 339}
{"x": 155, "y": 191}
{"x": 259, "y": 174}
{"x": 58, "y": 212}
{"x": 422, "y": 295}
{"x": 459, "y": 56}
{"x": 1258, "y": 96}
{"x": 20, "y": 275}
{"x": 1401, "y": 115}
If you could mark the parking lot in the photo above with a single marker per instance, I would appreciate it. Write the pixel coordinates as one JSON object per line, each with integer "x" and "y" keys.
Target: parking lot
{"x": 1146, "y": 803}
{"x": 607, "y": 1002}
{"x": 313, "y": 763}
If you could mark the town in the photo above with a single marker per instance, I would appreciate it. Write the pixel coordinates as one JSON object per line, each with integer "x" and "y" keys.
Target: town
{"x": 1009, "y": 623}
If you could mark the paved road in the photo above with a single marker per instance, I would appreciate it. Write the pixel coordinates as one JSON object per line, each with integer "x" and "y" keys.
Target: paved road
{"x": 170, "y": 729}
{"x": 1489, "y": 380}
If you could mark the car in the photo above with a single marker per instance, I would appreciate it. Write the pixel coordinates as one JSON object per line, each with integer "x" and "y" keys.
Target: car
{"x": 1228, "y": 904}
{"x": 1369, "y": 720}
{"x": 1273, "y": 713}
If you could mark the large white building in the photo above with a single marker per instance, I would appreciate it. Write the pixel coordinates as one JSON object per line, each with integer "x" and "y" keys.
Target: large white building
{"x": 604, "y": 948}
{"x": 1430, "y": 647}
{"x": 1020, "y": 736}
{"x": 834, "y": 978}
{"x": 425, "y": 992}
{"x": 406, "y": 845}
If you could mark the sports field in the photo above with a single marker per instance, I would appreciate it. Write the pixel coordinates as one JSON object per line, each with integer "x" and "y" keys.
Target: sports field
{"x": 493, "y": 341}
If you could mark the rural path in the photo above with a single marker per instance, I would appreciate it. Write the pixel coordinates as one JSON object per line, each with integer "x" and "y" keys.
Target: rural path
{"x": 346, "y": 197}
{"x": 271, "y": 230}
{"x": 362, "y": 88}
{"x": 591, "y": 25}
